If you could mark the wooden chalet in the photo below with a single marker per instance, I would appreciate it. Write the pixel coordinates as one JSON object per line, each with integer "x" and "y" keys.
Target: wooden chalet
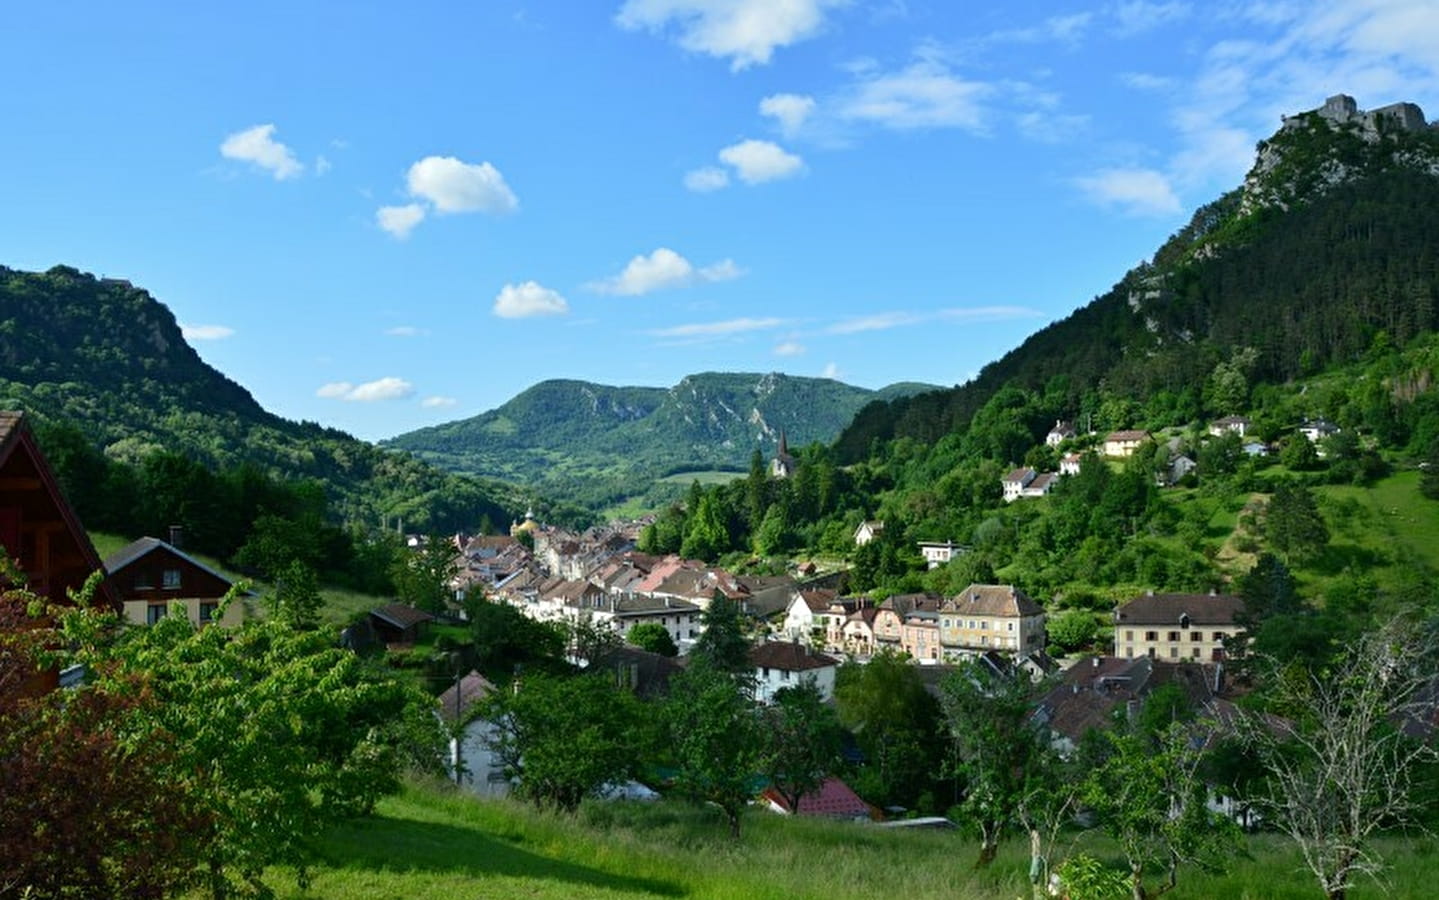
{"x": 39, "y": 532}
{"x": 150, "y": 575}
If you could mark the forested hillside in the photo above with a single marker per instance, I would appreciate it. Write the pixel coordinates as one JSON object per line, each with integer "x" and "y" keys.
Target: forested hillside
{"x": 596, "y": 444}
{"x": 1332, "y": 244}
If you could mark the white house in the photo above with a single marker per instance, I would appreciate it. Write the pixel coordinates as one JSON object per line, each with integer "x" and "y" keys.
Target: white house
{"x": 1122, "y": 444}
{"x": 1318, "y": 429}
{"x": 866, "y": 532}
{"x": 937, "y": 553}
{"x": 1015, "y": 482}
{"x": 1061, "y": 432}
{"x": 806, "y": 614}
{"x": 1229, "y": 425}
{"x": 782, "y": 664}
{"x": 471, "y": 764}
{"x": 1069, "y": 464}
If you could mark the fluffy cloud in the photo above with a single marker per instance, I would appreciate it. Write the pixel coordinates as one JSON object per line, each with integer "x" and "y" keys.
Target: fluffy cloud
{"x": 789, "y": 110}
{"x": 746, "y": 32}
{"x": 704, "y": 180}
{"x": 388, "y": 388}
{"x": 1138, "y": 16}
{"x": 789, "y": 348}
{"x": 755, "y": 162}
{"x": 529, "y": 299}
{"x": 438, "y": 402}
{"x": 925, "y": 94}
{"x": 887, "y": 320}
{"x": 453, "y": 186}
{"x": 718, "y": 329}
{"x": 1136, "y": 191}
{"x": 205, "y": 332}
{"x": 257, "y": 147}
{"x": 406, "y": 331}
{"x": 400, "y": 220}
{"x": 662, "y": 269}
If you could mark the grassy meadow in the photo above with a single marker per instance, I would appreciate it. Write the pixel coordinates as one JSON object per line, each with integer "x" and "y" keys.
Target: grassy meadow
{"x": 428, "y": 844}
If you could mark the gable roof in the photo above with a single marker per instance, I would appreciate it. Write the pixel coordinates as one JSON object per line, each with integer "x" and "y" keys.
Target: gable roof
{"x": 992, "y": 600}
{"x": 401, "y": 616}
{"x": 834, "y": 799}
{"x": 457, "y": 701}
{"x": 1166, "y": 609}
{"x": 19, "y": 449}
{"x": 789, "y": 656}
{"x": 1124, "y": 436}
{"x": 136, "y": 550}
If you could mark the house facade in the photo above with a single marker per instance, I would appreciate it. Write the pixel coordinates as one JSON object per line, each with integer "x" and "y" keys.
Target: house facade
{"x": 937, "y": 553}
{"x": 1122, "y": 444}
{"x": 152, "y": 575}
{"x": 986, "y": 617}
{"x": 1229, "y": 425}
{"x": 782, "y": 664}
{"x": 1173, "y": 627}
{"x": 866, "y": 532}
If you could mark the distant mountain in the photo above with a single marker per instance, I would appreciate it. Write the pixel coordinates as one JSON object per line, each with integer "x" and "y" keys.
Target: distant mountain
{"x": 1331, "y": 244}
{"x": 104, "y": 356}
{"x": 560, "y": 434}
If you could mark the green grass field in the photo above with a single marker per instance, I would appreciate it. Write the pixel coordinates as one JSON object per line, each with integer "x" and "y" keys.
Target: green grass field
{"x": 428, "y": 843}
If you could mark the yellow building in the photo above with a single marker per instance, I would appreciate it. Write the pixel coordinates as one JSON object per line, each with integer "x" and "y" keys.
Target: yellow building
{"x": 1176, "y": 627}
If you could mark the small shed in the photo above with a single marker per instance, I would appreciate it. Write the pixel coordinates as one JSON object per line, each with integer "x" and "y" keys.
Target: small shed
{"x": 397, "y": 623}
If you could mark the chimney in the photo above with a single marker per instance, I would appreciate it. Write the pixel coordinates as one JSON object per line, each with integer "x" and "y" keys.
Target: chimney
{"x": 177, "y": 537}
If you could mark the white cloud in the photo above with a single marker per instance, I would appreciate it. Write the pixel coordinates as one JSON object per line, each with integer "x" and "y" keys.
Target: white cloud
{"x": 438, "y": 402}
{"x": 925, "y": 94}
{"x": 257, "y": 147}
{"x": 1144, "y": 81}
{"x": 746, "y": 32}
{"x": 704, "y": 180}
{"x": 760, "y": 161}
{"x": 831, "y": 370}
{"x": 789, "y": 348}
{"x": 662, "y": 269}
{"x": 529, "y": 299}
{"x": 399, "y": 221}
{"x": 388, "y": 388}
{"x": 406, "y": 331}
{"x": 453, "y": 186}
{"x": 789, "y": 110}
{"x": 899, "y": 319}
{"x": 1067, "y": 29}
{"x": 1138, "y": 16}
{"x": 322, "y": 165}
{"x": 876, "y": 322}
{"x": 205, "y": 332}
{"x": 718, "y": 329}
{"x": 1136, "y": 191}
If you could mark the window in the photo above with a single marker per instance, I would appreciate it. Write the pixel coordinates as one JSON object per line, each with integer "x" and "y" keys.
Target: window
{"x": 1194, "y": 653}
{"x": 1196, "y": 635}
{"x": 1173, "y": 652}
{"x": 170, "y": 579}
{"x": 1218, "y": 636}
{"x": 207, "y": 611}
{"x": 1129, "y": 635}
{"x": 1174, "y": 636}
{"x": 1129, "y": 651}
{"x": 154, "y": 613}
{"x": 984, "y": 624}
{"x": 1008, "y": 626}
{"x": 784, "y": 675}
{"x": 144, "y": 581}
{"x": 1151, "y": 635}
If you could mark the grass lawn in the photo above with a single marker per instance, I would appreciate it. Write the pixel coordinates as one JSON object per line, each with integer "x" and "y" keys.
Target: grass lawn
{"x": 428, "y": 843}
{"x": 705, "y": 478}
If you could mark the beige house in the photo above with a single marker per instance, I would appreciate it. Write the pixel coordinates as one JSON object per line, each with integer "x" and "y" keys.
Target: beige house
{"x": 1176, "y": 627}
{"x": 152, "y": 575}
{"x": 986, "y": 617}
{"x": 1122, "y": 444}
{"x": 867, "y": 531}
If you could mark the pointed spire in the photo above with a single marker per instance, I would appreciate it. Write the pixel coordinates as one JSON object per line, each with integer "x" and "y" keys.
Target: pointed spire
{"x": 783, "y": 444}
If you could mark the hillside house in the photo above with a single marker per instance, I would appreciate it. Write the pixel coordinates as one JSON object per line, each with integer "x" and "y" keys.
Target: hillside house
{"x": 867, "y": 531}
{"x": 986, "y": 617}
{"x": 857, "y": 637}
{"x": 1069, "y": 464}
{"x": 1122, "y": 444}
{"x": 1317, "y": 430}
{"x": 471, "y": 764}
{"x": 806, "y": 616}
{"x": 937, "y": 553}
{"x": 1015, "y": 482}
{"x": 1061, "y": 432}
{"x": 150, "y": 574}
{"x": 782, "y": 664}
{"x": 1229, "y": 425}
{"x": 397, "y": 623}
{"x": 1176, "y": 626}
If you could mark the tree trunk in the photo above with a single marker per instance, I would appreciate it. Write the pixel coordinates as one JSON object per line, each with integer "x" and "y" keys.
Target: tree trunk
{"x": 987, "y": 852}
{"x": 732, "y": 816}
{"x": 1136, "y": 883}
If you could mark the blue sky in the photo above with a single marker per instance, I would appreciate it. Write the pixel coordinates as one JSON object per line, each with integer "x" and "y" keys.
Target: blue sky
{"x": 380, "y": 216}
